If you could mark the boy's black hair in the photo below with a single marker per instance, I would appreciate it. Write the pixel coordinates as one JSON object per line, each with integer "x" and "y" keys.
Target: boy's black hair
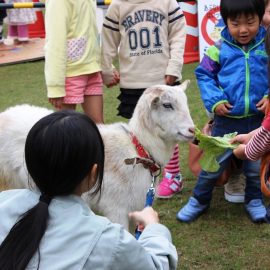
{"x": 233, "y": 8}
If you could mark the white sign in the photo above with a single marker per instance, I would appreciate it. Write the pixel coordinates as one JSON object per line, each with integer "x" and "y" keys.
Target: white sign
{"x": 100, "y": 14}
{"x": 210, "y": 24}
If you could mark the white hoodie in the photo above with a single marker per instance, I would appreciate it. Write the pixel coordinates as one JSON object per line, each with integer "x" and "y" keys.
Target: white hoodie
{"x": 149, "y": 38}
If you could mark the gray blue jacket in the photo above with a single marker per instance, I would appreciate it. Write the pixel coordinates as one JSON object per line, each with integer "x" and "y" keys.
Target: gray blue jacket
{"x": 228, "y": 73}
{"x": 77, "y": 239}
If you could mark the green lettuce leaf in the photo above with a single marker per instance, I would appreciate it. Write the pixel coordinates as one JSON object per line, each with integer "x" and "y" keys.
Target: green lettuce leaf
{"x": 213, "y": 147}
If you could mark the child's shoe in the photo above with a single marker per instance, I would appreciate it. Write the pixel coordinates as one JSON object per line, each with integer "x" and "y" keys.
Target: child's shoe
{"x": 234, "y": 190}
{"x": 9, "y": 41}
{"x": 267, "y": 216}
{"x": 191, "y": 210}
{"x": 169, "y": 186}
{"x": 256, "y": 210}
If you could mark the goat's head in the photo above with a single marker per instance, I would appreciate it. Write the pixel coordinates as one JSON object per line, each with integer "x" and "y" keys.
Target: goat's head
{"x": 163, "y": 110}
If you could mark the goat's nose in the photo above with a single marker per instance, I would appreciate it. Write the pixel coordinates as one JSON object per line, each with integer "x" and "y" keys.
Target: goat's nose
{"x": 191, "y": 130}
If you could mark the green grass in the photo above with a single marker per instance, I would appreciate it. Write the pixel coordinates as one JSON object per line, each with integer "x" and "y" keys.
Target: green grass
{"x": 223, "y": 238}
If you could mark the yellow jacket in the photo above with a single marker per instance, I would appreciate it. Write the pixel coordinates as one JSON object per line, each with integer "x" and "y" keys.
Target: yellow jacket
{"x": 72, "y": 42}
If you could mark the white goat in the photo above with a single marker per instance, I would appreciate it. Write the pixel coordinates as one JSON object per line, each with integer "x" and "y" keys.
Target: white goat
{"x": 160, "y": 120}
{"x": 15, "y": 124}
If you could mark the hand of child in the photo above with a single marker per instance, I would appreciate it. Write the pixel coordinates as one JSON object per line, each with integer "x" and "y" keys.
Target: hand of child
{"x": 241, "y": 138}
{"x": 239, "y": 152}
{"x": 56, "y": 102}
{"x": 145, "y": 217}
{"x": 223, "y": 109}
{"x": 115, "y": 80}
{"x": 170, "y": 80}
{"x": 262, "y": 104}
{"x": 244, "y": 138}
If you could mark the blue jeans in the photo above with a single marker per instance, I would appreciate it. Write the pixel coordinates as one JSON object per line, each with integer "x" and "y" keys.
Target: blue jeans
{"x": 251, "y": 169}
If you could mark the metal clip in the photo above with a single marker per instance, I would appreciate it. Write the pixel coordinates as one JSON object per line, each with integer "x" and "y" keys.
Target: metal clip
{"x": 154, "y": 177}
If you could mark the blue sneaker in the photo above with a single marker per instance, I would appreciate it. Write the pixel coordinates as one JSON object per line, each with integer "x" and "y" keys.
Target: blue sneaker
{"x": 191, "y": 210}
{"x": 267, "y": 216}
{"x": 256, "y": 210}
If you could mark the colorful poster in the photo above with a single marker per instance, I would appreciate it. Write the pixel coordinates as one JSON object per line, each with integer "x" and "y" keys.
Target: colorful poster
{"x": 210, "y": 24}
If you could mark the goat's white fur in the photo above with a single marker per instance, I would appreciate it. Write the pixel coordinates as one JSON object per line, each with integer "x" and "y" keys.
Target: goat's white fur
{"x": 157, "y": 128}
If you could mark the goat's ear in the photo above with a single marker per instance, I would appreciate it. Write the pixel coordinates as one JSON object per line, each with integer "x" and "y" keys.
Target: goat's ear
{"x": 154, "y": 103}
{"x": 185, "y": 85}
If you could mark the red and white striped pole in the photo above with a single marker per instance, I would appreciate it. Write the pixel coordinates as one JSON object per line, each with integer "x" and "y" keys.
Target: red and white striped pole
{"x": 191, "y": 53}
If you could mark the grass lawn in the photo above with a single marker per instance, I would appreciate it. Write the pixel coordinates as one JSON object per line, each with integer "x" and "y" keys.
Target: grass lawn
{"x": 223, "y": 238}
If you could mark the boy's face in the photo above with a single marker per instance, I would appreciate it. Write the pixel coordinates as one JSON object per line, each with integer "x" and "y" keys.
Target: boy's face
{"x": 244, "y": 28}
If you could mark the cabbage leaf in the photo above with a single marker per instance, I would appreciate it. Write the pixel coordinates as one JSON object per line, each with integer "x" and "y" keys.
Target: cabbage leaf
{"x": 212, "y": 148}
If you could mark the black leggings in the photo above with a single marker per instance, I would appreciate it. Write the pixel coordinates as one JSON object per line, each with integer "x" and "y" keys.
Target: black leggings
{"x": 128, "y": 100}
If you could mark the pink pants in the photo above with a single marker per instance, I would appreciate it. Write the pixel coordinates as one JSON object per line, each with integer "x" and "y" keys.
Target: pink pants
{"x": 18, "y": 31}
{"x": 78, "y": 87}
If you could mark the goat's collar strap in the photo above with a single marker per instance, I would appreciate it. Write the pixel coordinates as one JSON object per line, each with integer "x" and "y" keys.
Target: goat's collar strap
{"x": 144, "y": 158}
{"x": 140, "y": 149}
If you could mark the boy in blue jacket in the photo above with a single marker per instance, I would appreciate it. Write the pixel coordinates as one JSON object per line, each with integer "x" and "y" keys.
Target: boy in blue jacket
{"x": 233, "y": 83}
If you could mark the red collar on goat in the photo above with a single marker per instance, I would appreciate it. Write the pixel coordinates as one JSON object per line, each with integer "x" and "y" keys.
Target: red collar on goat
{"x": 144, "y": 158}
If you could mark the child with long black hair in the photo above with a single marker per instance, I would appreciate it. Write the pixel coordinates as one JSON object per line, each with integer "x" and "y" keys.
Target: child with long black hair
{"x": 54, "y": 228}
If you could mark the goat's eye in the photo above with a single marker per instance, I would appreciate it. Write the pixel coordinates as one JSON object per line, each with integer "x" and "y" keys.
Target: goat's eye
{"x": 167, "y": 106}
